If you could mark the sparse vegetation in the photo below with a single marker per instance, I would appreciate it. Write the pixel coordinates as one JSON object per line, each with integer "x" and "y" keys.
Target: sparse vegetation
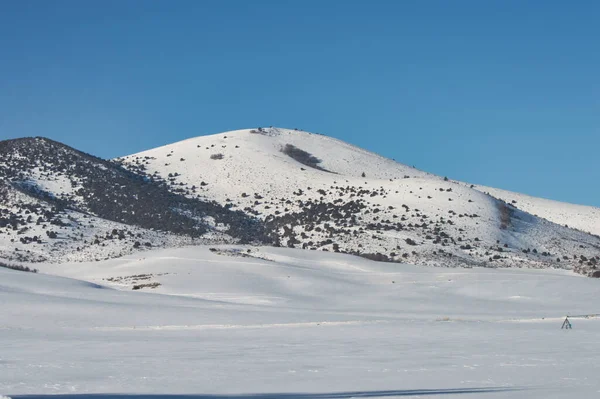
{"x": 143, "y": 199}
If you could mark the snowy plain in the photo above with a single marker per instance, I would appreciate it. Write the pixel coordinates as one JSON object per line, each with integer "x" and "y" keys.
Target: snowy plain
{"x": 277, "y": 322}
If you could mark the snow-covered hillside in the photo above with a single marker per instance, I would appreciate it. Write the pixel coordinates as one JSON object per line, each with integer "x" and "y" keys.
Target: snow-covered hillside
{"x": 57, "y": 203}
{"x": 266, "y": 322}
{"x": 581, "y": 217}
{"x": 315, "y": 192}
{"x": 35, "y": 230}
{"x": 253, "y": 161}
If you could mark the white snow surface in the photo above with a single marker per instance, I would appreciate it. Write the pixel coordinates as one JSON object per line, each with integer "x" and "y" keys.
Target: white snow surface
{"x": 257, "y": 158}
{"x": 285, "y": 323}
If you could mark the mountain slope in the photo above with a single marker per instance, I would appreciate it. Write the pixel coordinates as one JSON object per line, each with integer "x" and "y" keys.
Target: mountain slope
{"x": 581, "y": 217}
{"x": 315, "y": 192}
{"x": 58, "y": 199}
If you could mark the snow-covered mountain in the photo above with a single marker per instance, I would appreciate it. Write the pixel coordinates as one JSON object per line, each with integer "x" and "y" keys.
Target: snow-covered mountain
{"x": 296, "y": 189}
{"x": 316, "y": 192}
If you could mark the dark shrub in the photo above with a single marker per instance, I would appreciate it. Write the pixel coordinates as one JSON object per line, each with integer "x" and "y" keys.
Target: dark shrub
{"x": 18, "y": 268}
{"x": 302, "y": 156}
{"x": 147, "y": 285}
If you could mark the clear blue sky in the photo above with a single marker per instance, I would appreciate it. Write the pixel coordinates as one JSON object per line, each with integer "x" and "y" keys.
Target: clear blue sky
{"x": 503, "y": 93}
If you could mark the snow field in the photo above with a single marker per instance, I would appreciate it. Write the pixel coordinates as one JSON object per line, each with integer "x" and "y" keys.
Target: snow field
{"x": 296, "y": 322}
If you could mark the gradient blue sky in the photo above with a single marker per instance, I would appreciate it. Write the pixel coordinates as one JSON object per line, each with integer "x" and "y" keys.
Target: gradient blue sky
{"x": 503, "y": 93}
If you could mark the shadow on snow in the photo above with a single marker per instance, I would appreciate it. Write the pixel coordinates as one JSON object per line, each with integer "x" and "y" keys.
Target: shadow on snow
{"x": 330, "y": 395}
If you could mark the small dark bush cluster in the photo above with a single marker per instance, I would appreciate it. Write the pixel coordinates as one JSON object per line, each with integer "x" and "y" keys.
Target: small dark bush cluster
{"x": 148, "y": 285}
{"x": 18, "y": 267}
{"x": 302, "y": 156}
{"x": 217, "y": 156}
